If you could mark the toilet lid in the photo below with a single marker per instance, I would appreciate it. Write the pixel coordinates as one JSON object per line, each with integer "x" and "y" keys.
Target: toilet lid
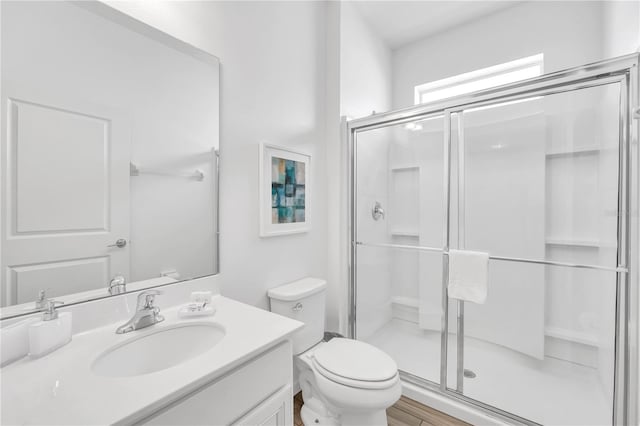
{"x": 355, "y": 360}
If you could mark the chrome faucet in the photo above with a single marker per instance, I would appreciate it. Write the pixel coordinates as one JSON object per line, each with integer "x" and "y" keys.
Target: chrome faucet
{"x": 117, "y": 285}
{"x": 146, "y": 313}
{"x": 41, "y": 300}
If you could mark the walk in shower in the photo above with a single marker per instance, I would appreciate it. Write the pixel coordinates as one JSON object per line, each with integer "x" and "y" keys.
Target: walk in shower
{"x": 542, "y": 175}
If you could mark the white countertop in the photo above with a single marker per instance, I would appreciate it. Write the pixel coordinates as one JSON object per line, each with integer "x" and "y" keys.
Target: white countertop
{"x": 60, "y": 388}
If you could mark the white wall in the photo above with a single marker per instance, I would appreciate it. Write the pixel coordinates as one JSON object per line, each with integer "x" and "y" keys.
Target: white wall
{"x": 365, "y": 66}
{"x": 568, "y": 33}
{"x": 272, "y": 58}
{"x": 337, "y": 245}
{"x": 621, "y": 24}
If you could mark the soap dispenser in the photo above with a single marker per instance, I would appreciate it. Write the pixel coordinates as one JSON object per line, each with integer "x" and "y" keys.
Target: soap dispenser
{"x": 51, "y": 333}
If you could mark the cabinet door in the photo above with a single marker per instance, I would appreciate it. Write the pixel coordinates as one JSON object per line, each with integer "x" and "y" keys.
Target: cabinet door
{"x": 235, "y": 395}
{"x": 275, "y": 411}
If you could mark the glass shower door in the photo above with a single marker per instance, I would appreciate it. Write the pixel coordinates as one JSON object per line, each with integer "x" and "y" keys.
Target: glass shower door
{"x": 547, "y": 185}
{"x": 399, "y": 226}
{"x": 537, "y": 188}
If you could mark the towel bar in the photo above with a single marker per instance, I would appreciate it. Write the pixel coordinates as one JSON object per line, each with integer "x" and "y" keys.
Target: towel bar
{"x": 500, "y": 258}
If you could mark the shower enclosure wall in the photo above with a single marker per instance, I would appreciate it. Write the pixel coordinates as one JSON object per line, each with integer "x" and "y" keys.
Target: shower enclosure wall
{"x": 542, "y": 175}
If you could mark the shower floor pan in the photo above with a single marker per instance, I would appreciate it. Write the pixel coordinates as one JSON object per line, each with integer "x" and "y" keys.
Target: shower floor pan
{"x": 549, "y": 391}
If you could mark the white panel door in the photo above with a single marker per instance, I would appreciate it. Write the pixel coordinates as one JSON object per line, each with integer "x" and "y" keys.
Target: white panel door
{"x": 65, "y": 196}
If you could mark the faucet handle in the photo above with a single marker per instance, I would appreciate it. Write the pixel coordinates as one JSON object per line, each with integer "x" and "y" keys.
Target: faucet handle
{"x": 146, "y": 299}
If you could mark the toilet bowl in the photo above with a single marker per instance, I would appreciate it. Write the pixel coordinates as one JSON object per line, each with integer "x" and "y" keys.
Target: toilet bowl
{"x": 355, "y": 381}
{"x": 343, "y": 381}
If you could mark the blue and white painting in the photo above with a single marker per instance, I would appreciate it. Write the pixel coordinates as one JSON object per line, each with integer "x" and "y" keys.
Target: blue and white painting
{"x": 287, "y": 191}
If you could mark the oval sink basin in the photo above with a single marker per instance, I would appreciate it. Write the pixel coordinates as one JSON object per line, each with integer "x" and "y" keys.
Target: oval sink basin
{"x": 159, "y": 350}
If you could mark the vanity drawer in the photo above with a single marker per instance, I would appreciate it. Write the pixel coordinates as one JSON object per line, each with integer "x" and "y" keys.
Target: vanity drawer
{"x": 233, "y": 395}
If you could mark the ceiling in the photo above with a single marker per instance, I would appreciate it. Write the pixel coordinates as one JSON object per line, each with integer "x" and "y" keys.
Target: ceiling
{"x": 400, "y": 22}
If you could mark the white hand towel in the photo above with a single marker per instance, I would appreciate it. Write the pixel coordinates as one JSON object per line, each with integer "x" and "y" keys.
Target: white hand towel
{"x": 468, "y": 275}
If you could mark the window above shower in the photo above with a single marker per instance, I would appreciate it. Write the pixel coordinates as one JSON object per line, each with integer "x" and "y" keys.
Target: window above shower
{"x": 481, "y": 79}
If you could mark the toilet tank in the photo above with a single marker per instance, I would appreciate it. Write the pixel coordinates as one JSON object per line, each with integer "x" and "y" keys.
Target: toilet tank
{"x": 302, "y": 300}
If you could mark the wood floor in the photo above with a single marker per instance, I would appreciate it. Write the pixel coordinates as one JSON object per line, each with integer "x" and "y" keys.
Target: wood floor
{"x": 405, "y": 412}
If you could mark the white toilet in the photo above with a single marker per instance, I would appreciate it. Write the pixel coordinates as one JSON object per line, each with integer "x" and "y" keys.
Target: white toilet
{"x": 343, "y": 381}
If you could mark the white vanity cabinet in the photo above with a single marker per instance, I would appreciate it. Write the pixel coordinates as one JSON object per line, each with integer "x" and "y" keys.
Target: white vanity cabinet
{"x": 245, "y": 378}
{"x": 259, "y": 392}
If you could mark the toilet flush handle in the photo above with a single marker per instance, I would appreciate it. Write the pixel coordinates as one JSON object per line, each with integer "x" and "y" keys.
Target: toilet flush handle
{"x": 297, "y": 307}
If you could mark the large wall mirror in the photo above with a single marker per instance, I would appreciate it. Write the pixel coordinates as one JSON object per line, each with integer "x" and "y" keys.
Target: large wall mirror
{"x": 109, "y": 155}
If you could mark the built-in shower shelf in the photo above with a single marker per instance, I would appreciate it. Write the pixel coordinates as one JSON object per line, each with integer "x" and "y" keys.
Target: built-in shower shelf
{"x": 404, "y": 233}
{"x": 579, "y": 151}
{"x": 573, "y": 243}
{"x": 582, "y": 337}
{"x": 404, "y": 168}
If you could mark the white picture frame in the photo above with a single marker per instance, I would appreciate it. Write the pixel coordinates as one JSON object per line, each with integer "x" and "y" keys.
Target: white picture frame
{"x": 284, "y": 191}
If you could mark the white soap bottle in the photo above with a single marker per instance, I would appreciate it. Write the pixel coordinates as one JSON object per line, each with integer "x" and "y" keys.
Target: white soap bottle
{"x": 15, "y": 341}
{"x": 53, "y": 332}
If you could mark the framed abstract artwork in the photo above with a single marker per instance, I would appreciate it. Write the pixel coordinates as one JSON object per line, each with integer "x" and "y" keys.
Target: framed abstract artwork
{"x": 284, "y": 191}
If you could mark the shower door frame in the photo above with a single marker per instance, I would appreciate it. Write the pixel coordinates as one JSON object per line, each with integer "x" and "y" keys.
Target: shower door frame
{"x": 623, "y": 71}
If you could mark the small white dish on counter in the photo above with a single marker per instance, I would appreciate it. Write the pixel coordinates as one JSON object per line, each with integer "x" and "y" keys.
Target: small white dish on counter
{"x": 196, "y": 310}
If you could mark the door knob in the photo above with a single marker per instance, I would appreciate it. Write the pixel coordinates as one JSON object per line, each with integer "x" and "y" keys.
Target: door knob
{"x": 377, "y": 211}
{"x": 120, "y": 242}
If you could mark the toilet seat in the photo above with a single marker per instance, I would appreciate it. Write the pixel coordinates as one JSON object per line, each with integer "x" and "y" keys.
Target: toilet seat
{"x": 355, "y": 364}
{"x": 359, "y": 384}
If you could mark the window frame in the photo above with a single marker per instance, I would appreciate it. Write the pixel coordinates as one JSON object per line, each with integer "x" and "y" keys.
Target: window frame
{"x": 484, "y": 78}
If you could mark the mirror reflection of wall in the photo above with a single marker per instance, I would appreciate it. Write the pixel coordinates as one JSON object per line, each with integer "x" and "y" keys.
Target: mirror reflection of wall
{"x": 110, "y": 162}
